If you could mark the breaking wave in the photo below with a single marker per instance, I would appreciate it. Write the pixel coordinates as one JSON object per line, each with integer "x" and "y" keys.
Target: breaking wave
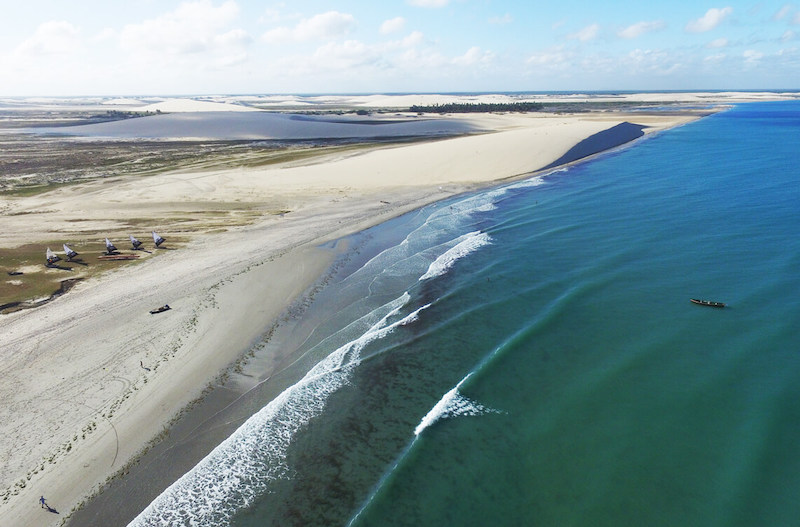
{"x": 242, "y": 467}
{"x": 466, "y": 244}
{"x": 453, "y": 404}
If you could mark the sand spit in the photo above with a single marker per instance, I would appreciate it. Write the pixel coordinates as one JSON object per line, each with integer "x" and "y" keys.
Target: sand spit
{"x": 89, "y": 378}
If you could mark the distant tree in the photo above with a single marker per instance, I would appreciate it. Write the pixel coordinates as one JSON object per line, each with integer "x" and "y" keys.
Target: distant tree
{"x": 479, "y": 107}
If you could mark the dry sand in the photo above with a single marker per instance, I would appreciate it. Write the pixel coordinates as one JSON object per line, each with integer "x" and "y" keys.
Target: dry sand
{"x": 78, "y": 403}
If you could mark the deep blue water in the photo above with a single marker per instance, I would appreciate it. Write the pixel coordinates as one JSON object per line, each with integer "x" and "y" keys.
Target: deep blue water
{"x": 529, "y": 356}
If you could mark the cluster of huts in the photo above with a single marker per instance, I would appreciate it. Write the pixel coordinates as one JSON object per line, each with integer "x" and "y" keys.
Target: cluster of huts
{"x": 111, "y": 250}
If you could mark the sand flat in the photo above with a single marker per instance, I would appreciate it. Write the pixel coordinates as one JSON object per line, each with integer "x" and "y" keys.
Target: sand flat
{"x": 81, "y": 401}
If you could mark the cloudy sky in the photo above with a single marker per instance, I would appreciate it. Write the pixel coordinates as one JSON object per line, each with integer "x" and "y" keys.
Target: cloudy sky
{"x": 171, "y": 47}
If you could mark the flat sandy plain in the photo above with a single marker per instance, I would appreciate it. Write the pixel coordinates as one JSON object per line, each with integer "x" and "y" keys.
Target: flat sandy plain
{"x": 91, "y": 378}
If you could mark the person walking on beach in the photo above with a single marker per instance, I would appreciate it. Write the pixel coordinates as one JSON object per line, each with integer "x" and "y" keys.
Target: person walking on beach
{"x": 41, "y": 500}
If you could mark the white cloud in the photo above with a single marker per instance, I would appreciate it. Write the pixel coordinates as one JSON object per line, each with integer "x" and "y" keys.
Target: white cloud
{"x": 788, "y": 35}
{"x": 191, "y": 28}
{"x": 752, "y": 56}
{"x": 651, "y": 62}
{"x": 709, "y": 21}
{"x": 393, "y": 25}
{"x": 640, "y": 28}
{"x": 51, "y": 38}
{"x": 414, "y": 39}
{"x": 474, "y": 56}
{"x": 556, "y": 58}
{"x": 719, "y": 57}
{"x": 104, "y": 35}
{"x": 344, "y": 55}
{"x": 414, "y": 60}
{"x": 717, "y": 43}
{"x": 500, "y": 20}
{"x": 428, "y": 3}
{"x": 403, "y": 60}
{"x": 273, "y": 14}
{"x": 783, "y": 12}
{"x": 323, "y": 26}
{"x": 234, "y": 37}
{"x": 585, "y": 34}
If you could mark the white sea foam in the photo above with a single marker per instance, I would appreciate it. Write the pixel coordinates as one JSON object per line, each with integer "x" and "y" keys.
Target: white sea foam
{"x": 453, "y": 404}
{"x": 243, "y": 465}
{"x": 410, "y": 256}
{"x": 483, "y": 202}
{"x": 534, "y": 181}
{"x": 466, "y": 244}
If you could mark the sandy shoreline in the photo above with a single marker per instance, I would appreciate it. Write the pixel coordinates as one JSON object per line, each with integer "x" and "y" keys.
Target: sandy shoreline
{"x": 91, "y": 377}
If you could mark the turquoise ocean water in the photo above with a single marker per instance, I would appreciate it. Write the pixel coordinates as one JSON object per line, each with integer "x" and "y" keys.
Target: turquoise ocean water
{"x": 528, "y": 355}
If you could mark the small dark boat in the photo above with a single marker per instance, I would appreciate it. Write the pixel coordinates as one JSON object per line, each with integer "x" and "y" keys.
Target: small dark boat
{"x": 52, "y": 258}
{"x": 158, "y": 240}
{"x": 135, "y": 243}
{"x": 110, "y": 249}
{"x": 708, "y": 303}
{"x": 161, "y": 309}
{"x": 69, "y": 252}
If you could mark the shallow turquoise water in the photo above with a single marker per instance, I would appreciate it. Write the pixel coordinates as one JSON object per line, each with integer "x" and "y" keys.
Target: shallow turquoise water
{"x": 529, "y": 355}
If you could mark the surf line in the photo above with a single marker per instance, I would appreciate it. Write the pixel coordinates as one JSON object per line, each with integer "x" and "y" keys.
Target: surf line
{"x": 465, "y": 245}
{"x": 452, "y": 213}
{"x": 204, "y": 495}
{"x": 452, "y": 400}
{"x": 455, "y": 403}
{"x": 452, "y": 404}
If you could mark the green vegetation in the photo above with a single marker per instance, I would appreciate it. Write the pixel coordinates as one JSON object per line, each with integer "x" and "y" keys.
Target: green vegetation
{"x": 479, "y": 107}
{"x": 25, "y": 281}
{"x": 529, "y": 106}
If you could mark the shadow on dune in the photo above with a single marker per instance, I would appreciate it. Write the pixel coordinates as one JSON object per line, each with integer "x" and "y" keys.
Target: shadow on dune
{"x": 614, "y": 136}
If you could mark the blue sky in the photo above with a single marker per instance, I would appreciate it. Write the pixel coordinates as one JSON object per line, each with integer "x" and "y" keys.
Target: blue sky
{"x": 138, "y": 47}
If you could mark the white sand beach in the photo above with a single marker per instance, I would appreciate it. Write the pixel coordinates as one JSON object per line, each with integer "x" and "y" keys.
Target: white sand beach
{"x": 91, "y": 377}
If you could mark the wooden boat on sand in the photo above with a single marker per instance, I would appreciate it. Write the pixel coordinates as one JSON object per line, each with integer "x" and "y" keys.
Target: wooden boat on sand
{"x": 118, "y": 257}
{"x": 161, "y": 309}
{"x": 708, "y": 303}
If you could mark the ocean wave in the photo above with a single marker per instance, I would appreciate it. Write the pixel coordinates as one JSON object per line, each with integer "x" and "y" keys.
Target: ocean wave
{"x": 408, "y": 256}
{"x": 242, "y": 467}
{"x": 466, "y": 244}
{"x": 483, "y": 202}
{"x": 453, "y": 404}
{"x": 534, "y": 181}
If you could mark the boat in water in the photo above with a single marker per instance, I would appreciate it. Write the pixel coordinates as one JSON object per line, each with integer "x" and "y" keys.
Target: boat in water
{"x": 708, "y": 303}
